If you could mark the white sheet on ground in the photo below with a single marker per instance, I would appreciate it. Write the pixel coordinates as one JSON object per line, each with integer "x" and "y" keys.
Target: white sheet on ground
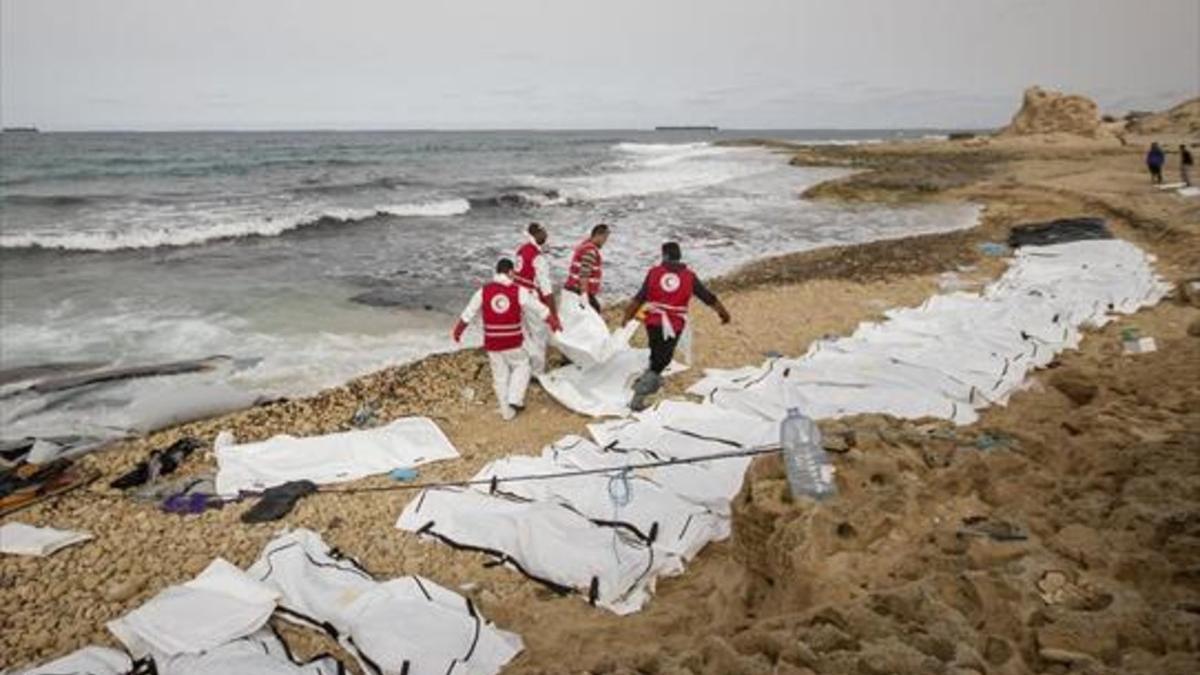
{"x": 85, "y": 661}
{"x": 547, "y": 542}
{"x": 23, "y": 539}
{"x": 1192, "y": 191}
{"x": 404, "y": 443}
{"x": 261, "y": 653}
{"x": 219, "y": 605}
{"x": 955, "y": 353}
{"x": 677, "y": 526}
{"x": 408, "y": 624}
{"x": 604, "y": 389}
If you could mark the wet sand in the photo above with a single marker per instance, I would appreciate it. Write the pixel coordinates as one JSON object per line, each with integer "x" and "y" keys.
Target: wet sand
{"x": 1098, "y": 468}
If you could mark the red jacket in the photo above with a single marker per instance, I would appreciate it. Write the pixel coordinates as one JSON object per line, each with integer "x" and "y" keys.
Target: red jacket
{"x": 523, "y": 271}
{"x": 668, "y": 292}
{"x": 585, "y": 248}
{"x": 501, "y": 317}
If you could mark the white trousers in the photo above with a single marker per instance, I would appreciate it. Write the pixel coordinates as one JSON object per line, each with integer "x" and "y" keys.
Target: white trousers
{"x": 537, "y": 335}
{"x": 510, "y": 376}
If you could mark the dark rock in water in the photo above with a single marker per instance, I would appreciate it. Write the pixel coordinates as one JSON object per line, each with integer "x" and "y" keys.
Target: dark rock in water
{"x": 429, "y": 300}
{"x": 28, "y": 373}
{"x": 132, "y": 372}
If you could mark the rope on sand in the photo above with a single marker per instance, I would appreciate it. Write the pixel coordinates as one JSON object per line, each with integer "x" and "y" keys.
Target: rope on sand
{"x": 496, "y": 480}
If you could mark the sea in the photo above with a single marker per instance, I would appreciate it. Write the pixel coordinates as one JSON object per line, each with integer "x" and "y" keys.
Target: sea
{"x": 304, "y": 259}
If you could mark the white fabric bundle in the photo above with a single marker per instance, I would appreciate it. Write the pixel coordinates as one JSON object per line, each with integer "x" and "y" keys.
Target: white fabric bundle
{"x": 86, "y": 661}
{"x": 22, "y": 539}
{"x": 404, "y": 443}
{"x": 408, "y": 624}
{"x": 219, "y": 605}
{"x": 546, "y": 542}
{"x": 261, "y": 653}
{"x": 585, "y": 338}
{"x": 636, "y": 501}
{"x": 956, "y": 353}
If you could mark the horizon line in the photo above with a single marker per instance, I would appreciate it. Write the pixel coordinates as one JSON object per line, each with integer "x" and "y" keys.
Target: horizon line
{"x": 84, "y": 130}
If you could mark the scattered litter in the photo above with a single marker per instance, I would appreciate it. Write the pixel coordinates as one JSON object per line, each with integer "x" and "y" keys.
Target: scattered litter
{"x": 23, "y": 539}
{"x": 365, "y": 417}
{"x": 160, "y": 463}
{"x": 403, "y": 474}
{"x": 993, "y": 249}
{"x": 997, "y": 530}
{"x": 468, "y": 394}
{"x": 27, "y": 484}
{"x": 1133, "y": 343}
{"x": 278, "y": 501}
{"x": 988, "y": 441}
{"x": 332, "y": 458}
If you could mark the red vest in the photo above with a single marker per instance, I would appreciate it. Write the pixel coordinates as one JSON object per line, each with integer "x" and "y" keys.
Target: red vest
{"x": 523, "y": 271}
{"x": 668, "y": 292}
{"x": 501, "y": 317}
{"x": 593, "y": 285}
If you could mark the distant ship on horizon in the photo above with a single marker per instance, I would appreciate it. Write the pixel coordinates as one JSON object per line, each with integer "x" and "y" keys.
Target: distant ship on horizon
{"x": 19, "y": 130}
{"x": 686, "y": 128}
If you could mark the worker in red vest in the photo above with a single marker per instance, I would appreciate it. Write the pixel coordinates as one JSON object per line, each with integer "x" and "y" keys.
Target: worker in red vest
{"x": 665, "y": 295}
{"x": 503, "y": 303}
{"x": 533, "y": 273}
{"x": 587, "y": 267}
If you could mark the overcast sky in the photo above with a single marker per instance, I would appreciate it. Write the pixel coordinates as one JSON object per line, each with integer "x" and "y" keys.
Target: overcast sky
{"x": 292, "y": 64}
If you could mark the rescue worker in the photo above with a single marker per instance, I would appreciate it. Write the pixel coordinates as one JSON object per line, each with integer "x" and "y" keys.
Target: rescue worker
{"x": 533, "y": 273}
{"x": 587, "y": 267}
{"x": 503, "y": 304}
{"x": 665, "y": 294}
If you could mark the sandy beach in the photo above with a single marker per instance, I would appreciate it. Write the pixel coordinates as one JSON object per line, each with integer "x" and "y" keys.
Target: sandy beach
{"x": 1099, "y": 467}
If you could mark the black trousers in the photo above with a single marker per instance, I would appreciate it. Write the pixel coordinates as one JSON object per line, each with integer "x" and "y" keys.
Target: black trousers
{"x": 662, "y": 349}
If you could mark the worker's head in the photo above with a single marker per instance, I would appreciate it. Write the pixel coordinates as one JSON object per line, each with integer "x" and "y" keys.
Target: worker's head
{"x": 504, "y": 266}
{"x": 599, "y": 234}
{"x": 671, "y": 252}
{"x": 538, "y": 233}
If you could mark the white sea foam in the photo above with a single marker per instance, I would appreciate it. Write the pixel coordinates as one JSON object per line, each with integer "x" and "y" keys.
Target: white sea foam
{"x": 650, "y": 168}
{"x": 447, "y": 207}
{"x": 202, "y": 226}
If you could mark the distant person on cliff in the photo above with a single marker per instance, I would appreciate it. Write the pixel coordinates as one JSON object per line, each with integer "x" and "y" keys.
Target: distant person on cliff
{"x": 1186, "y": 162}
{"x": 503, "y": 304}
{"x": 1154, "y": 161}
{"x": 665, "y": 294}
{"x": 532, "y": 272}
{"x": 587, "y": 267}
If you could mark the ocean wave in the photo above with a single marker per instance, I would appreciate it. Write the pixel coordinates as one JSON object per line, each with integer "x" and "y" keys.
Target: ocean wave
{"x": 446, "y": 207}
{"x": 54, "y": 201}
{"x": 384, "y": 183}
{"x": 650, "y": 168}
{"x": 519, "y": 197}
{"x": 152, "y": 237}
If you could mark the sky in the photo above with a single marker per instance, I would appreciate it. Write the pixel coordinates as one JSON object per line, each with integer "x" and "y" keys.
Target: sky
{"x": 533, "y": 64}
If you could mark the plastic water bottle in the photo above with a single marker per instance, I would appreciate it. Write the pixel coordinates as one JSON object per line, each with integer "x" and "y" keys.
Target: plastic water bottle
{"x": 809, "y": 471}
